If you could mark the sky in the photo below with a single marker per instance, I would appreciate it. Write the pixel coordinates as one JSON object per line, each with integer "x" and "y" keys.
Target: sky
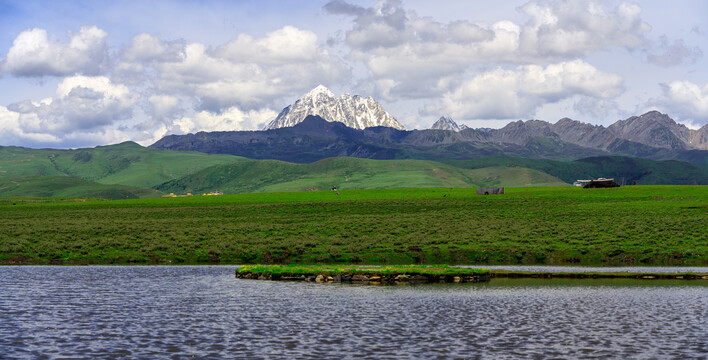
{"x": 86, "y": 73}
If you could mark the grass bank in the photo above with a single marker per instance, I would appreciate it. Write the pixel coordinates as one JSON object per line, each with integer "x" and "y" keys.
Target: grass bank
{"x": 430, "y": 273}
{"x": 631, "y": 225}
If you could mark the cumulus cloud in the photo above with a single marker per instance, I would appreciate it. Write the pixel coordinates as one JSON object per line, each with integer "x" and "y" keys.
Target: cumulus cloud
{"x": 409, "y": 56}
{"x": 230, "y": 119}
{"x": 285, "y": 45}
{"x": 81, "y": 103}
{"x": 163, "y": 109}
{"x": 248, "y": 73}
{"x": 580, "y": 27}
{"x": 185, "y": 87}
{"x": 13, "y": 131}
{"x": 517, "y": 93}
{"x": 383, "y": 25}
{"x": 33, "y": 54}
{"x": 688, "y": 100}
{"x": 146, "y": 47}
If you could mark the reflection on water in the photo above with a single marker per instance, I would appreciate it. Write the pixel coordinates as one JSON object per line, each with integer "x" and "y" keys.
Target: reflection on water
{"x": 629, "y": 269}
{"x": 204, "y": 312}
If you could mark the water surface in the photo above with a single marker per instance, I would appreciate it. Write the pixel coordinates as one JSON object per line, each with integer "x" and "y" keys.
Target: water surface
{"x": 204, "y": 312}
{"x": 572, "y": 269}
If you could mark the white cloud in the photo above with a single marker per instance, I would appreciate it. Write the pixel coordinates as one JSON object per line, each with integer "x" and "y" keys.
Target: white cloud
{"x": 161, "y": 111}
{"x": 580, "y": 27}
{"x": 230, "y": 86}
{"x": 33, "y": 54}
{"x": 81, "y": 103}
{"x": 416, "y": 57}
{"x": 14, "y": 131}
{"x": 164, "y": 106}
{"x": 146, "y": 47}
{"x": 686, "y": 99}
{"x": 229, "y": 120}
{"x": 282, "y": 46}
{"x": 517, "y": 93}
{"x": 248, "y": 73}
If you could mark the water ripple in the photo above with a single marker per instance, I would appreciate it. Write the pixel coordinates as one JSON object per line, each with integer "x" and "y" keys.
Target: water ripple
{"x": 204, "y": 312}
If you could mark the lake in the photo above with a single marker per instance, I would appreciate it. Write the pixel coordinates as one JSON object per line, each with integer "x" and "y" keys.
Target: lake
{"x": 147, "y": 312}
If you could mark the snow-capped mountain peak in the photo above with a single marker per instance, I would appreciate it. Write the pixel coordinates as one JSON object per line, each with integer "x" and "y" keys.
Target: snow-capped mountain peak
{"x": 320, "y": 89}
{"x": 354, "y": 111}
{"x": 446, "y": 123}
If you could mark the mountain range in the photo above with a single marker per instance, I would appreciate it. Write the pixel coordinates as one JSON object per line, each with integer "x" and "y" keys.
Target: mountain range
{"x": 652, "y": 129}
{"x": 652, "y": 136}
{"x": 319, "y": 125}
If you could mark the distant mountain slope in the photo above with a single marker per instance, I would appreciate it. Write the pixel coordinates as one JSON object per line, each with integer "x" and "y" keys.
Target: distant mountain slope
{"x": 127, "y": 163}
{"x": 353, "y": 111}
{"x": 623, "y": 169}
{"x": 65, "y": 186}
{"x": 649, "y": 133}
{"x": 316, "y": 139}
{"x": 446, "y": 123}
{"x": 349, "y": 173}
{"x": 659, "y": 130}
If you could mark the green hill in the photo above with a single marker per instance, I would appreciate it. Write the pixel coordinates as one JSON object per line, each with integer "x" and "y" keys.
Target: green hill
{"x": 350, "y": 173}
{"x": 101, "y": 171}
{"x": 126, "y": 164}
{"x": 499, "y": 176}
{"x": 66, "y": 186}
{"x": 623, "y": 169}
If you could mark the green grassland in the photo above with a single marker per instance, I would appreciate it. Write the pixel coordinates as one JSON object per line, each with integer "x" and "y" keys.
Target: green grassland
{"x": 129, "y": 170}
{"x": 126, "y": 164}
{"x": 66, "y": 186}
{"x": 631, "y": 225}
{"x": 350, "y": 173}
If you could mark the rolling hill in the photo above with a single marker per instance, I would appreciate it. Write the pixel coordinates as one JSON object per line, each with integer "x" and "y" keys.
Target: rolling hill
{"x": 623, "y": 169}
{"x": 66, "y": 186}
{"x": 129, "y": 170}
{"x": 350, "y": 173}
{"x": 124, "y": 164}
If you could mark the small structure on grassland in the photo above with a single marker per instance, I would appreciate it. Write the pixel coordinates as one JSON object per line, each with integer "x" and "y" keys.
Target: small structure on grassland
{"x": 173, "y": 195}
{"x": 601, "y": 183}
{"x": 581, "y": 182}
{"x": 490, "y": 191}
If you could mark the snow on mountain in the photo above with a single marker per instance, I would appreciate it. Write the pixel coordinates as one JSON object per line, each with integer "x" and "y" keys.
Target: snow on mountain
{"x": 446, "y": 123}
{"x": 353, "y": 111}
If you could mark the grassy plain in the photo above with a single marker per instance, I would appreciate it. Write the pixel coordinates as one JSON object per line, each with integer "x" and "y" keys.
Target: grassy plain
{"x": 631, "y": 225}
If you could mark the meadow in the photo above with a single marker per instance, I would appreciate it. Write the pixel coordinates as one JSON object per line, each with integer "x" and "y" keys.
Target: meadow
{"x": 630, "y": 225}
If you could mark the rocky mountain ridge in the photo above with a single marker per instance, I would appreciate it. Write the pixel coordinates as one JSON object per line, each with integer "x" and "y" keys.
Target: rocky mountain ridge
{"x": 353, "y": 111}
{"x": 446, "y": 123}
{"x": 635, "y": 134}
{"x": 651, "y": 129}
{"x": 315, "y": 138}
